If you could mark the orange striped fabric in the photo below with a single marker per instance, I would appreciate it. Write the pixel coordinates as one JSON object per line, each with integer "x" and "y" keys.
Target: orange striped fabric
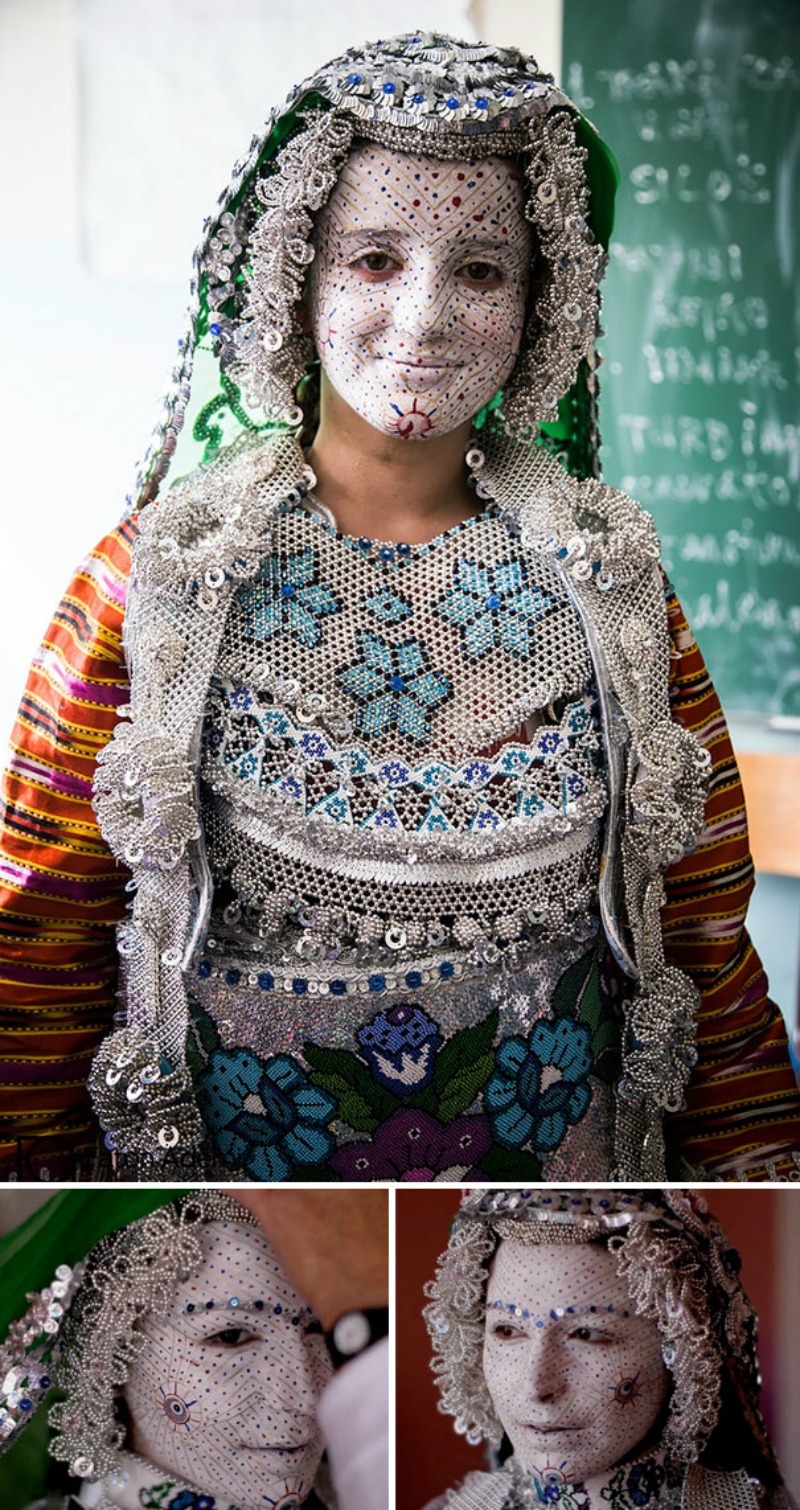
{"x": 61, "y": 893}
{"x": 743, "y": 1108}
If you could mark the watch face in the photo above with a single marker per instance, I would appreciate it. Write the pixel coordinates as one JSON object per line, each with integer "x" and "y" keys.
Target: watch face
{"x": 351, "y": 1332}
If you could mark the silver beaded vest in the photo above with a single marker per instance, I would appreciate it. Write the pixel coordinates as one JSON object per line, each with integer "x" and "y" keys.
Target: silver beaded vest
{"x": 390, "y": 811}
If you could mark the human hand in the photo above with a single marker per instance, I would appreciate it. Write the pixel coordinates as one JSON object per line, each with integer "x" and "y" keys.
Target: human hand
{"x": 332, "y": 1244}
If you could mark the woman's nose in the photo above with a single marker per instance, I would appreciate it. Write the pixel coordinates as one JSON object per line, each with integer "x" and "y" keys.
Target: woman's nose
{"x": 423, "y": 303}
{"x": 548, "y": 1370}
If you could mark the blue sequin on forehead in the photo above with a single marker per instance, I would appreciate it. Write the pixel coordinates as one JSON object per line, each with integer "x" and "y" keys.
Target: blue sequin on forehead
{"x": 557, "y": 1313}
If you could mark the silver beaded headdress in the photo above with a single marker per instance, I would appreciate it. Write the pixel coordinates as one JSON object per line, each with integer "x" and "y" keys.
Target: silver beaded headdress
{"x": 421, "y": 93}
{"x": 681, "y": 1272}
{"x": 80, "y": 1334}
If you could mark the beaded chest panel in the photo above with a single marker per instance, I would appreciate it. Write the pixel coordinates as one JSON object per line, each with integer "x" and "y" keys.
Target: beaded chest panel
{"x": 402, "y": 791}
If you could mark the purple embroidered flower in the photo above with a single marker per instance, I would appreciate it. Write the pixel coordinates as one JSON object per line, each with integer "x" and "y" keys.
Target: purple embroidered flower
{"x": 400, "y": 1047}
{"x": 412, "y": 1145}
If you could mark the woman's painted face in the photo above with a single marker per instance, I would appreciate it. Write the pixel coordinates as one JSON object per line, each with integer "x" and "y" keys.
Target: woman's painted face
{"x": 576, "y": 1377}
{"x": 417, "y": 292}
{"x": 224, "y": 1395}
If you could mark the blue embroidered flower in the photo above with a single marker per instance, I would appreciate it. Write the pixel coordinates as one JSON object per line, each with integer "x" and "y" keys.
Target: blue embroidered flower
{"x": 288, "y": 598}
{"x": 539, "y": 1086}
{"x": 188, "y": 1500}
{"x": 394, "y": 685}
{"x": 400, "y": 1047}
{"x": 264, "y": 1114}
{"x": 494, "y": 605}
{"x": 387, "y": 607}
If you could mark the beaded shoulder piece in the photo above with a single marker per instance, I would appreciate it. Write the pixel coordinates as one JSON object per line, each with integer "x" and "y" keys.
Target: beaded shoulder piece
{"x": 208, "y": 536}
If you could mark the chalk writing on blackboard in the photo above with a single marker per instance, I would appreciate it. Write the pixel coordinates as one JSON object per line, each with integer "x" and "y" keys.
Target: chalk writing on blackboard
{"x": 699, "y": 394}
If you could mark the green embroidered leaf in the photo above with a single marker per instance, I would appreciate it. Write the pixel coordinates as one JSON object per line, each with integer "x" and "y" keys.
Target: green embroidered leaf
{"x": 462, "y": 1090}
{"x": 606, "y": 1037}
{"x": 511, "y": 1164}
{"x": 352, "y": 1073}
{"x": 461, "y": 1051}
{"x": 206, "y": 1030}
{"x": 352, "y": 1107}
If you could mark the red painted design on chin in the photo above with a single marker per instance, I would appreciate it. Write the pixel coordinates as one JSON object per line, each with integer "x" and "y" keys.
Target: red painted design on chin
{"x": 412, "y": 423}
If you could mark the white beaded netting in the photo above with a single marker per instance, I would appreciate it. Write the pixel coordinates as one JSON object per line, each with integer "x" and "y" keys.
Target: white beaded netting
{"x": 680, "y": 1272}
{"x": 129, "y": 1278}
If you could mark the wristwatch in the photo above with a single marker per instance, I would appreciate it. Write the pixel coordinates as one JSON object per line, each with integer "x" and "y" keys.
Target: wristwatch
{"x": 355, "y": 1331}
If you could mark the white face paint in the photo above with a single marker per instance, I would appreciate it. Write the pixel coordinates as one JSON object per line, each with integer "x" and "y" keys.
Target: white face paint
{"x": 417, "y": 292}
{"x": 225, "y": 1395}
{"x": 576, "y": 1377}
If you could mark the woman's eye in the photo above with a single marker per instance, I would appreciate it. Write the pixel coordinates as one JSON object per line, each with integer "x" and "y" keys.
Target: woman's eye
{"x": 589, "y": 1334}
{"x": 375, "y": 262}
{"x": 231, "y": 1336}
{"x": 505, "y": 1330}
{"x": 482, "y": 272}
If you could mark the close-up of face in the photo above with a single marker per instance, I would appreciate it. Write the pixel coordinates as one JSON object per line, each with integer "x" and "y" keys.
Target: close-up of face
{"x": 576, "y": 1377}
{"x": 418, "y": 289}
{"x": 225, "y": 1391}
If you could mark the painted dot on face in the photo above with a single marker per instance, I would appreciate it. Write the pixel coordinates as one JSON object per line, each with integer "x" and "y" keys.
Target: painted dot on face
{"x": 427, "y": 284}
{"x": 576, "y": 1377}
{"x": 226, "y": 1387}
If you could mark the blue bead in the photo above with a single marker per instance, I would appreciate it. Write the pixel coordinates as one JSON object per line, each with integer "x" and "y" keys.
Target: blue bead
{"x": 377, "y": 983}
{"x": 338, "y": 988}
{"x": 365, "y": 543}
{"x": 482, "y": 104}
{"x": 413, "y": 980}
{"x": 452, "y": 104}
{"x": 232, "y": 977}
{"x": 26, "y": 1405}
{"x": 397, "y": 683}
{"x": 234, "y": 1301}
{"x": 204, "y": 968}
{"x": 493, "y": 600}
{"x": 446, "y": 969}
{"x": 288, "y": 591}
{"x": 215, "y": 329}
{"x": 299, "y": 986}
{"x": 417, "y": 99}
{"x": 190, "y": 1307}
{"x": 354, "y": 78}
{"x": 277, "y": 1310}
{"x": 403, "y": 549}
{"x": 509, "y": 91}
{"x": 389, "y": 88}
{"x": 266, "y": 981}
{"x": 386, "y": 553}
{"x": 44, "y": 1382}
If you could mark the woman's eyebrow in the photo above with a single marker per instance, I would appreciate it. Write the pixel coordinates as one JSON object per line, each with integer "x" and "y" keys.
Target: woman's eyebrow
{"x": 376, "y": 233}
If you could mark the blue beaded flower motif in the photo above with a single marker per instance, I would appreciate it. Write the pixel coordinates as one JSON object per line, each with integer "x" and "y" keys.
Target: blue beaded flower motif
{"x": 394, "y": 684}
{"x": 265, "y": 1115}
{"x": 288, "y": 598}
{"x": 539, "y": 1086}
{"x": 494, "y": 606}
{"x": 400, "y": 1046}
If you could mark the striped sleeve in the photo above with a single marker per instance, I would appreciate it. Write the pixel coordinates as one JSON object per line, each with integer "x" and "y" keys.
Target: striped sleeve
{"x": 742, "y": 1119}
{"x": 61, "y": 891}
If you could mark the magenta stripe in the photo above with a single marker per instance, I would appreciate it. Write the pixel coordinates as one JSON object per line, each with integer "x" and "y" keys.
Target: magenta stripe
{"x": 56, "y": 886}
{"x": 110, "y": 695}
{"x": 59, "y": 781}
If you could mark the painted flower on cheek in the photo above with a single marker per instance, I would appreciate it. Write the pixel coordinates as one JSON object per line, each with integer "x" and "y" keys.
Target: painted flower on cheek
{"x": 417, "y": 295}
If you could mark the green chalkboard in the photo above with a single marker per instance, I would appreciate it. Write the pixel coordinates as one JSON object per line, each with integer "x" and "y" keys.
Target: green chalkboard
{"x": 699, "y": 403}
